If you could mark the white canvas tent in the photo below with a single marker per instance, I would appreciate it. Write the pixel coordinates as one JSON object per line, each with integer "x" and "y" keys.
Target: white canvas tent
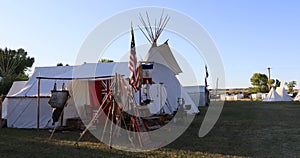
{"x": 15, "y": 88}
{"x": 283, "y": 94}
{"x": 273, "y": 96}
{"x": 188, "y": 101}
{"x": 162, "y": 54}
{"x": 22, "y": 105}
{"x": 197, "y": 94}
{"x": 161, "y": 74}
{"x": 297, "y": 97}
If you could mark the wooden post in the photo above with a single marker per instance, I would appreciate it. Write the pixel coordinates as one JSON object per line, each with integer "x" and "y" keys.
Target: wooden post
{"x": 269, "y": 72}
{"x": 39, "y": 104}
{"x": 0, "y": 111}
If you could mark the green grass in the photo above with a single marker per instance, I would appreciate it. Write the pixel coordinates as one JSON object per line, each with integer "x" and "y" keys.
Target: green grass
{"x": 245, "y": 129}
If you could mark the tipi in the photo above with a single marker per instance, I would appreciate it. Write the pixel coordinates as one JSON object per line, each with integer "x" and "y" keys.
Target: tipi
{"x": 160, "y": 54}
{"x": 283, "y": 94}
{"x": 297, "y": 97}
{"x": 272, "y": 96}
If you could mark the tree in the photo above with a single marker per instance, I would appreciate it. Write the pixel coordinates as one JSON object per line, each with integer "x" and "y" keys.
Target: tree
{"x": 277, "y": 83}
{"x": 61, "y": 64}
{"x": 13, "y": 65}
{"x": 270, "y": 83}
{"x": 290, "y": 85}
{"x": 260, "y": 83}
{"x": 105, "y": 61}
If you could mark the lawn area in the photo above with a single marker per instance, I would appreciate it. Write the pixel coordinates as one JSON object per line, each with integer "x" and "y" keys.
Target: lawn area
{"x": 245, "y": 129}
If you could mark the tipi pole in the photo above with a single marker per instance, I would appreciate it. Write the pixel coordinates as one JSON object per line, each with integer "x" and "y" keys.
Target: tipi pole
{"x": 111, "y": 124}
{"x": 107, "y": 118}
{"x": 140, "y": 97}
{"x": 98, "y": 114}
{"x": 60, "y": 116}
{"x": 39, "y": 104}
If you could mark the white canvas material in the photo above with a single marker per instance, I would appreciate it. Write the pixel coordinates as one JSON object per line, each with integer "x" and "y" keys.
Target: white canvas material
{"x": 162, "y": 54}
{"x": 22, "y": 102}
{"x": 297, "y": 97}
{"x": 283, "y": 94}
{"x": 273, "y": 96}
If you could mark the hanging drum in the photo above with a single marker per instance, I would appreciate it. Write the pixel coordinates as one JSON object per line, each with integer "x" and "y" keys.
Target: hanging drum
{"x": 58, "y": 99}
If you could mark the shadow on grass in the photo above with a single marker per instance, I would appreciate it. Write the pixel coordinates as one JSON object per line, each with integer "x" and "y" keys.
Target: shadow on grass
{"x": 31, "y": 143}
{"x": 250, "y": 129}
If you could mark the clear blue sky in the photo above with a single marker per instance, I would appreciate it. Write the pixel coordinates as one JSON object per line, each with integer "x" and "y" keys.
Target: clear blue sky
{"x": 251, "y": 35}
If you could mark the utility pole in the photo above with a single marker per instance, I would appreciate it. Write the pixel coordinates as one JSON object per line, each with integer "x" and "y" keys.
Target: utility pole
{"x": 269, "y": 72}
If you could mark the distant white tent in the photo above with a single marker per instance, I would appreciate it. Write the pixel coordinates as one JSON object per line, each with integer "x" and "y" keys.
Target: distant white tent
{"x": 197, "y": 94}
{"x": 297, "y": 97}
{"x": 279, "y": 94}
{"x": 256, "y": 96}
{"x": 272, "y": 96}
{"x": 188, "y": 101}
{"x": 283, "y": 94}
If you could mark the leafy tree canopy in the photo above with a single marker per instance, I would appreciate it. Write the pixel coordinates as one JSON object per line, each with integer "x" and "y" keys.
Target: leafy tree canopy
{"x": 290, "y": 85}
{"x": 61, "y": 64}
{"x": 260, "y": 83}
{"x": 105, "y": 61}
{"x": 13, "y": 65}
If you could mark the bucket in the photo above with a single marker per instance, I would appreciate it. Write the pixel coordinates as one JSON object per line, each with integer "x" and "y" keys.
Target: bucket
{"x": 58, "y": 99}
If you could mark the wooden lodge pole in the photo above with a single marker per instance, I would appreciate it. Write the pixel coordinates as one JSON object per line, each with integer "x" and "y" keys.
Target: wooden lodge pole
{"x": 39, "y": 104}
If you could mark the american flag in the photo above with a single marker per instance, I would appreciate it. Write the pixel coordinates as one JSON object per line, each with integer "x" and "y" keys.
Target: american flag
{"x": 132, "y": 65}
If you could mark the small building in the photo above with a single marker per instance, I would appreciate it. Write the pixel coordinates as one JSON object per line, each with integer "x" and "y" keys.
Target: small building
{"x": 199, "y": 94}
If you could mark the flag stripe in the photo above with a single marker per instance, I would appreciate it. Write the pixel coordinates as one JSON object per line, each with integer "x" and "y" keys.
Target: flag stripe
{"x": 132, "y": 65}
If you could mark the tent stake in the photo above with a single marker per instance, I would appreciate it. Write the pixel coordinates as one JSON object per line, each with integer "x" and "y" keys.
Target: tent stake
{"x": 111, "y": 124}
